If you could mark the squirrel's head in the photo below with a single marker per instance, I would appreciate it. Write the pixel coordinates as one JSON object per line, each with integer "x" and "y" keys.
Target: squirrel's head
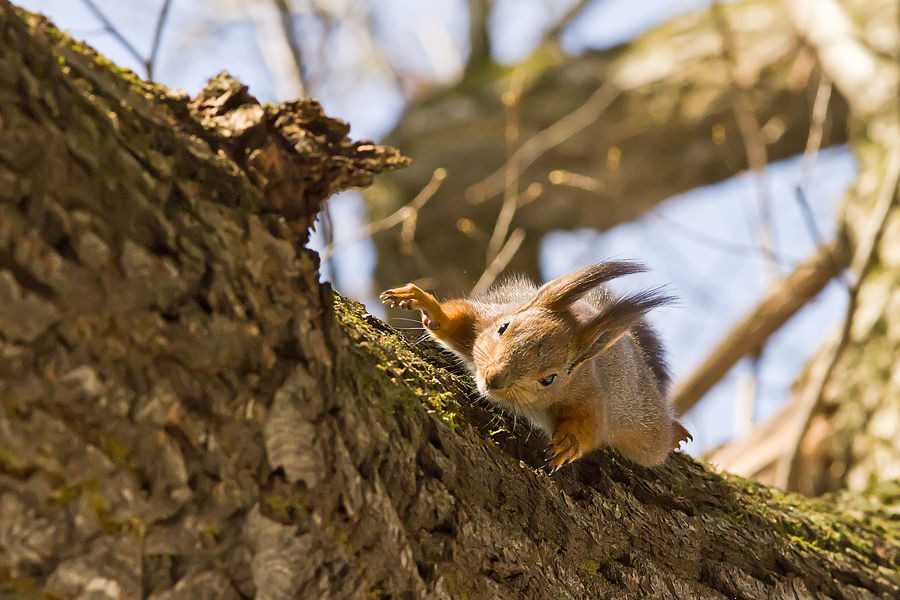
{"x": 529, "y": 357}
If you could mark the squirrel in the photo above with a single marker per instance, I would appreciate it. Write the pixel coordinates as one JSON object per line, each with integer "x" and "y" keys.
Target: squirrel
{"x": 575, "y": 360}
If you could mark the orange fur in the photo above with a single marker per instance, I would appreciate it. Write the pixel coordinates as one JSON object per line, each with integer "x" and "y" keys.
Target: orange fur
{"x": 578, "y": 431}
{"x": 451, "y": 322}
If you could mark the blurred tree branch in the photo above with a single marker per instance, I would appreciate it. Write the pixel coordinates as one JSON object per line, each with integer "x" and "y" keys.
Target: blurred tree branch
{"x": 572, "y": 13}
{"x": 148, "y": 62}
{"x": 290, "y": 36}
{"x": 668, "y": 125}
{"x": 780, "y": 304}
{"x": 479, "y": 34}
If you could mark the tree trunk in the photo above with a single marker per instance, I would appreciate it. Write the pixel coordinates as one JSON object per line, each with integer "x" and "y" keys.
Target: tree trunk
{"x": 637, "y": 124}
{"x": 188, "y": 413}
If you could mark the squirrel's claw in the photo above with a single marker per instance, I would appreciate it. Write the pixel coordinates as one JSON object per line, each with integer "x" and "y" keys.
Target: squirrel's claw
{"x": 679, "y": 435}
{"x": 406, "y": 297}
{"x": 563, "y": 449}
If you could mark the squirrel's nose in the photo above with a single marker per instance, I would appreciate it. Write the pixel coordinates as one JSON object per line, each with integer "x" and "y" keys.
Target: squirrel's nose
{"x": 496, "y": 381}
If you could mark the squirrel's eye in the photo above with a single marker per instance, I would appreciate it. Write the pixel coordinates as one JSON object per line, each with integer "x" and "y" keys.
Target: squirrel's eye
{"x": 547, "y": 380}
{"x": 502, "y": 328}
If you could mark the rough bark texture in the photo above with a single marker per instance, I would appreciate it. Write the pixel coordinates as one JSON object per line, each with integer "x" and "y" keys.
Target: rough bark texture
{"x": 671, "y": 126}
{"x": 186, "y": 412}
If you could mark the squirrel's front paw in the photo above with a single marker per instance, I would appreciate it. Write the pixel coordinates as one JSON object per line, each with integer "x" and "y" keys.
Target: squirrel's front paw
{"x": 406, "y": 297}
{"x": 411, "y": 297}
{"x": 563, "y": 449}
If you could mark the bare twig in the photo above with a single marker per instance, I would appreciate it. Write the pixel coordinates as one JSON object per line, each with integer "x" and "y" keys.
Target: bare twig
{"x": 863, "y": 259}
{"x": 549, "y": 138}
{"x": 406, "y": 214}
{"x": 500, "y": 261}
{"x": 813, "y": 144}
{"x": 157, "y": 37}
{"x": 754, "y": 142}
{"x": 575, "y": 180}
{"x": 149, "y": 62}
{"x": 701, "y": 237}
{"x": 290, "y": 36}
{"x": 570, "y": 15}
{"x": 785, "y": 299}
{"x": 816, "y": 128}
{"x": 111, "y": 29}
{"x": 511, "y": 172}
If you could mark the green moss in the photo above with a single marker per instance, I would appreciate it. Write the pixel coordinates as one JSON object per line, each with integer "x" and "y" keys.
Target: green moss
{"x": 590, "y": 567}
{"x": 401, "y": 376}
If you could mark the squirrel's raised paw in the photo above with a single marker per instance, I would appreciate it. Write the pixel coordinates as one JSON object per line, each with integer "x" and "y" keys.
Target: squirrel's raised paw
{"x": 405, "y": 297}
{"x": 411, "y": 297}
{"x": 563, "y": 449}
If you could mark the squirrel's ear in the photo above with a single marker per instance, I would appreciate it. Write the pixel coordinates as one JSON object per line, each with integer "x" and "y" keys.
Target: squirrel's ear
{"x": 563, "y": 291}
{"x": 605, "y": 329}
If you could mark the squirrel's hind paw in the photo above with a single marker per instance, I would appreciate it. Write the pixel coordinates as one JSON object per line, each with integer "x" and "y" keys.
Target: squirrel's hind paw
{"x": 679, "y": 435}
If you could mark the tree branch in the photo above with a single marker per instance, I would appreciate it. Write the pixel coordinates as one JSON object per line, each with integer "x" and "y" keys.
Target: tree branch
{"x": 290, "y": 38}
{"x": 785, "y": 299}
{"x": 570, "y": 15}
{"x": 863, "y": 259}
{"x": 150, "y": 63}
{"x": 479, "y": 34}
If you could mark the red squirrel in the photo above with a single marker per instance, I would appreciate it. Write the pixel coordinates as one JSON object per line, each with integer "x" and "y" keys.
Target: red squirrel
{"x": 577, "y": 361}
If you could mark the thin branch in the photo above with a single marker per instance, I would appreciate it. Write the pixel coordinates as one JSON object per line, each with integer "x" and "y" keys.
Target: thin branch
{"x": 701, "y": 237}
{"x": 500, "y": 261}
{"x": 863, "y": 260}
{"x": 782, "y": 302}
{"x": 149, "y": 62}
{"x": 549, "y": 138}
{"x": 754, "y": 142}
{"x": 157, "y": 37}
{"x": 553, "y": 34}
{"x": 813, "y": 144}
{"x": 111, "y": 29}
{"x": 511, "y": 191}
{"x": 405, "y": 214}
{"x": 290, "y": 36}
{"x": 575, "y": 180}
{"x": 816, "y": 129}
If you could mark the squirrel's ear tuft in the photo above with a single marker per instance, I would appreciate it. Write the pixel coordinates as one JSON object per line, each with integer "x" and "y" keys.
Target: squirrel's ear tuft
{"x": 605, "y": 329}
{"x": 565, "y": 290}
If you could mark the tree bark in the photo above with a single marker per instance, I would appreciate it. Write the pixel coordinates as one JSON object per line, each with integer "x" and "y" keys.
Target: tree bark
{"x": 638, "y": 123}
{"x": 187, "y": 412}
